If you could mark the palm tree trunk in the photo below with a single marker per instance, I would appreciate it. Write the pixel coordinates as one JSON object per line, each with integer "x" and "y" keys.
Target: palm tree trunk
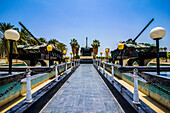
{"x": 95, "y": 50}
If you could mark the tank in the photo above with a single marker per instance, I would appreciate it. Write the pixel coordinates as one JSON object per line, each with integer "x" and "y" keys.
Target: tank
{"x": 37, "y": 52}
{"x": 139, "y": 52}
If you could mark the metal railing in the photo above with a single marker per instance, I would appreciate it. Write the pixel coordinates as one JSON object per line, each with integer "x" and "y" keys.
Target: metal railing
{"x": 58, "y": 68}
{"x": 104, "y": 66}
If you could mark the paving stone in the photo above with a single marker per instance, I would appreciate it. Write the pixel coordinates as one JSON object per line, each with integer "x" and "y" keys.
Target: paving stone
{"x": 84, "y": 92}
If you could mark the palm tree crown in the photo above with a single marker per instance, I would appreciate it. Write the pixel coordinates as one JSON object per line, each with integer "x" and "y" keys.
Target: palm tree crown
{"x": 95, "y": 43}
{"x": 95, "y": 46}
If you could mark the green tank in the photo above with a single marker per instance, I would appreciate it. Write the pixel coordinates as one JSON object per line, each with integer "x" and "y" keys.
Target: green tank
{"x": 36, "y": 53}
{"x": 142, "y": 53}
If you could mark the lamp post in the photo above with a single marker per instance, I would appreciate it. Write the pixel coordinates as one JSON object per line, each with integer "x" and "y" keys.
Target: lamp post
{"x": 101, "y": 55}
{"x": 49, "y": 49}
{"x": 106, "y": 51}
{"x": 71, "y": 59}
{"x": 121, "y": 47}
{"x": 157, "y": 34}
{"x": 71, "y": 55}
{"x": 64, "y": 53}
{"x": 11, "y": 35}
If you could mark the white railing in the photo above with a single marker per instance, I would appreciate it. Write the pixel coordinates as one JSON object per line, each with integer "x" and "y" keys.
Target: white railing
{"x": 98, "y": 63}
{"x": 28, "y": 90}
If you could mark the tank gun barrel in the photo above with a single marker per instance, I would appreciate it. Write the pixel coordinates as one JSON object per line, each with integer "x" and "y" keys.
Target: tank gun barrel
{"x": 143, "y": 30}
{"x": 39, "y": 43}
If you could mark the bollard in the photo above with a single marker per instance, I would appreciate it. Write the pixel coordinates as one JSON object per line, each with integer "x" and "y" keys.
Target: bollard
{"x": 112, "y": 72}
{"x": 136, "y": 94}
{"x": 66, "y": 67}
{"x": 28, "y": 92}
{"x": 56, "y": 73}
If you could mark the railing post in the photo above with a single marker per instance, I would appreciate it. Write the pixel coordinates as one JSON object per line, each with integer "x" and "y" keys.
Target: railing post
{"x": 112, "y": 72}
{"x": 56, "y": 73}
{"x": 66, "y": 67}
{"x": 28, "y": 92}
{"x": 136, "y": 94}
{"x": 71, "y": 65}
{"x": 103, "y": 67}
{"x": 99, "y": 65}
{"x": 74, "y": 64}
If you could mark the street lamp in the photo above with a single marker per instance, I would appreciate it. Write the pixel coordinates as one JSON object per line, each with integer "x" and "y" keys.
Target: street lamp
{"x": 101, "y": 54}
{"x": 121, "y": 47}
{"x": 64, "y": 53}
{"x": 11, "y": 35}
{"x": 106, "y": 51}
{"x": 157, "y": 34}
{"x": 49, "y": 49}
{"x": 71, "y": 55}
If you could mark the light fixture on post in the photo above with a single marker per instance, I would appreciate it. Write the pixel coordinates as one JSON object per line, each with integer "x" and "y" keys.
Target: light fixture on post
{"x": 157, "y": 34}
{"x": 11, "y": 35}
{"x": 64, "y": 53}
{"x": 49, "y": 49}
{"x": 106, "y": 51}
{"x": 71, "y": 59}
{"x": 101, "y": 55}
{"x": 71, "y": 55}
{"x": 121, "y": 47}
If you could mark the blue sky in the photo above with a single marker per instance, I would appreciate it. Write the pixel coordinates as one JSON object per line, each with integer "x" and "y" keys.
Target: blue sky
{"x": 109, "y": 21}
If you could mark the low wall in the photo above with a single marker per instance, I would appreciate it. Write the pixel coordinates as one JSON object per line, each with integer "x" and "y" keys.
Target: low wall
{"x": 36, "y": 80}
{"x": 150, "y": 90}
{"x": 20, "y": 88}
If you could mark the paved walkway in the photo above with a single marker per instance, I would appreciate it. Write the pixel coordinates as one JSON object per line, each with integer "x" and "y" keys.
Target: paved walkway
{"x": 83, "y": 92}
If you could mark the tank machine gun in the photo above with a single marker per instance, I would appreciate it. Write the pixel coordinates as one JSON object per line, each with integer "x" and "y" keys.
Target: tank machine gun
{"x": 142, "y": 53}
{"x": 37, "y": 53}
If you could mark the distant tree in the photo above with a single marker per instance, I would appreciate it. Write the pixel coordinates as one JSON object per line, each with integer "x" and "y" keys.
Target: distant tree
{"x": 73, "y": 44}
{"x": 61, "y": 47}
{"x": 161, "y": 49}
{"x": 77, "y": 49}
{"x": 165, "y": 48}
{"x": 24, "y": 36}
{"x": 42, "y": 40}
{"x": 53, "y": 41}
{"x": 95, "y": 46}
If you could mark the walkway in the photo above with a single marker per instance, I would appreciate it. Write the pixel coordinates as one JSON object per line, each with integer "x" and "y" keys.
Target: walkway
{"x": 83, "y": 92}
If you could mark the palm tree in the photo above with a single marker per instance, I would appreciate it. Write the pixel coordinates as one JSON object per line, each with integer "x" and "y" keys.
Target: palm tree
{"x": 161, "y": 49}
{"x": 165, "y": 48}
{"x": 95, "y": 46}
{"x": 53, "y": 41}
{"x": 4, "y": 43}
{"x": 42, "y": 40}
{"x": 73, "y": 44}
{"x": 24, "y": 36}
{"x": 77, "y": 49}
{"x": 61, "y": 47}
